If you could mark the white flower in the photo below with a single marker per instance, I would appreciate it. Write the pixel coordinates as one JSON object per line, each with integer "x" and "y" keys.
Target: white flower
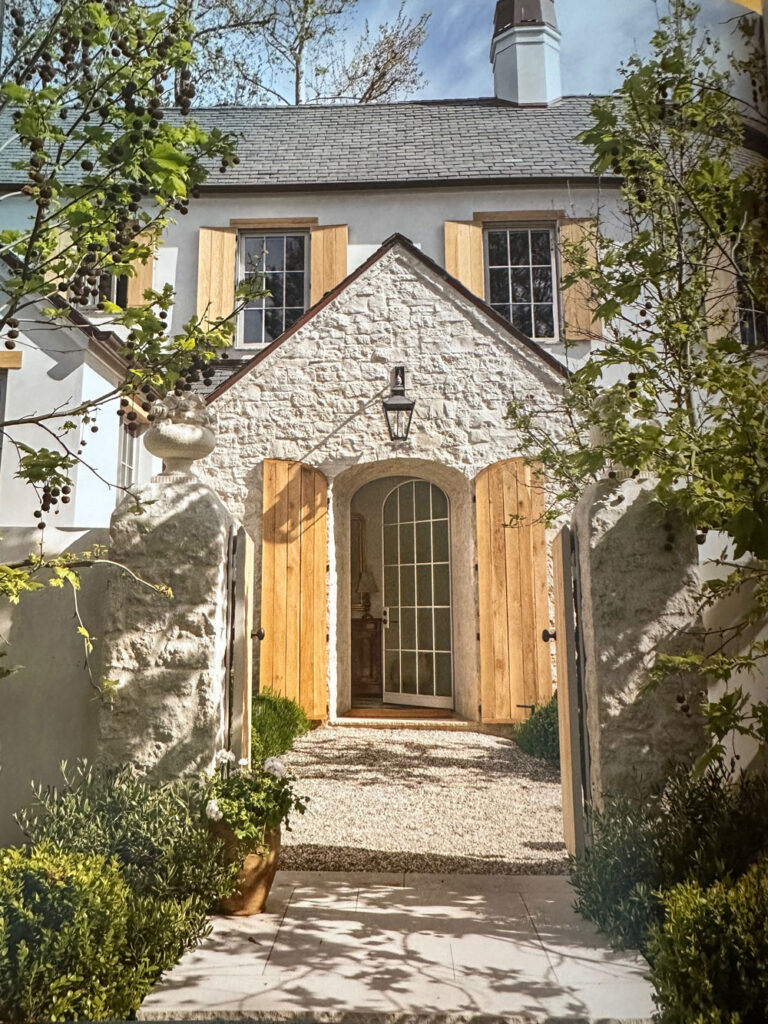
{"x": 212, "y": 811}
{"x": 224, "y": 757}
{"x": 243, "y": 762}
{"x": 275, "y": 767}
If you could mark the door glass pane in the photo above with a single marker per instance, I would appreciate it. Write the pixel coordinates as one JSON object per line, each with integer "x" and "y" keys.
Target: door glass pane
{"x": 439, "y": 504}
{"x": 443, "y": 681}
{"x": 422, "y": 500}
{"x": 406, "y": 543}
{"x": 390, "y": 545}
{"x": 424, "y": 623}
{"x": 423, "y": 542}
{"x": 391, "y": 586}
{"x": 440, "y": 540}
{"x": 408, "y": 671}
{"x": 406, "y": 503}
{"x": 442, "y": 629}
{"x": 408, "y": 629}
{"x": 392, "y": 671}
{"x": 427, "y": 674}
{"x": 407, "y": 586}
{"x": 424, "y": 584}
{"x": 392, "y": 636}
{"x": 390, "y": 509}
{"x": 442, "y": 585}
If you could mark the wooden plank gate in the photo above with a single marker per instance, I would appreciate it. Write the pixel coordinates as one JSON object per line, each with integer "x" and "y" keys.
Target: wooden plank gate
{"x": 294, "y": 590}
{"x": 574, "y": 746}
{"x": 515, "y": 667}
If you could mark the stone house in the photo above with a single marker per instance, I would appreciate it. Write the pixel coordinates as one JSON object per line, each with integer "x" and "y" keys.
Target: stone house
{"x": 411, "y": 250}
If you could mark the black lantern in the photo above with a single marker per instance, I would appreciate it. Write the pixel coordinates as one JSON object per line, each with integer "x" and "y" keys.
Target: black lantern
{"x": 399, "y": 409}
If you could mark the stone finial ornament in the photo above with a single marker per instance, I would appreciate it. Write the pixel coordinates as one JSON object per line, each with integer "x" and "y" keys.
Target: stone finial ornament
{"x": 184, "y": 430}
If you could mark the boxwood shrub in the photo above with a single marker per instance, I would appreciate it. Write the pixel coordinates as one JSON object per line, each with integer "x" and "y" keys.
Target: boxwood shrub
{"x": 539, "y": 735}
{"x": 127, "y": 872}
{"x": 277, "y": 722}
{"x": 696, "y": 828}
{"x": 65, "y": 921}
{"x": 710, "y": 955}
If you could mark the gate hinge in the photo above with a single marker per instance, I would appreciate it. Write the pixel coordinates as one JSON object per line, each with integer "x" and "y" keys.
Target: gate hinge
{"x": 478, "y": 636}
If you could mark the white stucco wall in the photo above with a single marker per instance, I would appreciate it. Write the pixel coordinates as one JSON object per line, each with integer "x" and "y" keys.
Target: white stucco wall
{"x": 317, "y": 399}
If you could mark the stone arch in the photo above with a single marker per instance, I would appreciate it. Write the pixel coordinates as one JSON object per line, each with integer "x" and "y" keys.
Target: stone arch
{"x": 459, "y": 489}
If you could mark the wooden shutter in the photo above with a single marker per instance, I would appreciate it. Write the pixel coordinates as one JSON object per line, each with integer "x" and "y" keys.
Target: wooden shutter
{"x": 723, "y": 294}
{"x": 577, "y": 319}
{"x": 568, "y": 696}
{"x": 216, "y": 272}
{"x": 294, "y": 613}
{"x": 141, "y": 280}
{"x": 512, "y": 579}
{"x": 328, "y": 256}
{"x": 464, "y": 254}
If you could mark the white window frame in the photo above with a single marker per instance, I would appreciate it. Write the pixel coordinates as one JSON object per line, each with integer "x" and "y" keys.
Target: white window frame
{"x": 552, "y": 228}
{"x": 748, "y": 309}
{"x": 127, "y": 461}
{"x": 242, "y": 236}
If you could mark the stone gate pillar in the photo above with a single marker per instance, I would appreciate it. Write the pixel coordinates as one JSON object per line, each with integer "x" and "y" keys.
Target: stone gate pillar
{"x": 167, "y": 655}
{"x": 638, "y": 567}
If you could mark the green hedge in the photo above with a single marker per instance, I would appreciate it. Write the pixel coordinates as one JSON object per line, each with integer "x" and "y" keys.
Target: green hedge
{"x": 539, "y": 735}
{"x": 277, "y": 723}
{"x": 118, "y": 883}
{"x": 710, "y": 955}
{"x": 694, "y": 828}
{"x": 65, "y": 921}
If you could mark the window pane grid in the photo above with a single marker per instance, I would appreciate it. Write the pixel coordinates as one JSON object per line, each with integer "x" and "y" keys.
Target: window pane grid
{"x": 521, "y": 279}
{"x": 281, "y": 260}
{"x": 418, "y": 639}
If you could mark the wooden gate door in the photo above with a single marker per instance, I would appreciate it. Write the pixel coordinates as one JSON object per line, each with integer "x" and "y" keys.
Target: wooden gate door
{"x": 515, "y": 666}
{"x": 294, "y": 595}
{"x": 569, "y": 696}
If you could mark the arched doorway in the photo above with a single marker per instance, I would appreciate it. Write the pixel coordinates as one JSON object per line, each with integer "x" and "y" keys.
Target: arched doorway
{"x": 416, "y": 613}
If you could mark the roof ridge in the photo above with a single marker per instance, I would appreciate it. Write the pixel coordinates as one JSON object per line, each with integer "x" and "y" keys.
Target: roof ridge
{"x": 489, "y": 101}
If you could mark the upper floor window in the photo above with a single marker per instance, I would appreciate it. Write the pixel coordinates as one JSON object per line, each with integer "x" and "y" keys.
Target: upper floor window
{"x": 283, "y": 261}
{"x": 753, "y": 322}
{"x": 521, "y": 274}
{"x": 105, "y": 287}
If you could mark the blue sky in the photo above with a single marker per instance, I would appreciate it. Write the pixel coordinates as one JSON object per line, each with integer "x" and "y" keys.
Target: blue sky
{"x": 597, "y": 36}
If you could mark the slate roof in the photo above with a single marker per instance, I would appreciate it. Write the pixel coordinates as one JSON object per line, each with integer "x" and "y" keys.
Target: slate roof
{"x": 418, "y": 142}
{"x": 441, "y": 141}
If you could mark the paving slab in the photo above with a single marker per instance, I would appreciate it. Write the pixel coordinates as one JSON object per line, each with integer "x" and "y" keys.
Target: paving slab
{"x": 405, "y": 949}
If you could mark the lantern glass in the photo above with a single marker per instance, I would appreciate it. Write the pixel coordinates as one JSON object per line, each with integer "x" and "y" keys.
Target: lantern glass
{"x": 398, "y": 409}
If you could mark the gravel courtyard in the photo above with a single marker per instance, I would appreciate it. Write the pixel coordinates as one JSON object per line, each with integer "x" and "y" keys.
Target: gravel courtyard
{"x": 423, "y": 801}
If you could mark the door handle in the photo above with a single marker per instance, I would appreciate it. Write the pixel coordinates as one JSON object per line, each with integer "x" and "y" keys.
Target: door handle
{"x": 385, "y": 617}
{"x": 258, "y": 634}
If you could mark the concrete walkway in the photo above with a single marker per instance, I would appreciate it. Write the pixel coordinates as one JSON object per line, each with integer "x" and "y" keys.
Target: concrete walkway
{"x": 393, "y": 947}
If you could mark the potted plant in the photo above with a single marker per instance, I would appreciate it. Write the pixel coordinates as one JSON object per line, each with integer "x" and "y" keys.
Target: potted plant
{"x": 246, "y": 808}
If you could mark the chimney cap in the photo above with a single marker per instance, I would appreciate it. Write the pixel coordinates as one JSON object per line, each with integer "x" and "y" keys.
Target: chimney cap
{"x": 512, "y": 13}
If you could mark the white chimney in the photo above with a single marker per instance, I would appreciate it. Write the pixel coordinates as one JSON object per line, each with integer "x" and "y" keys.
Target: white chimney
{"x": 525, "y": 52}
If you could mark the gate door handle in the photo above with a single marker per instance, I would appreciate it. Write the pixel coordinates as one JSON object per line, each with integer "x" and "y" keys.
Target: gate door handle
{"x": 258, "y": 634}
{"x": 546, "y": 636}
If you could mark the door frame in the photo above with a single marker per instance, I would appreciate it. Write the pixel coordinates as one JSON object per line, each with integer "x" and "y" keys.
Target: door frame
{"x": 418, "y": 699}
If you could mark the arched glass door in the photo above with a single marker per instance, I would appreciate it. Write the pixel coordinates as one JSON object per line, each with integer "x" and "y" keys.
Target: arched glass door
{"x": 418, "y": 645}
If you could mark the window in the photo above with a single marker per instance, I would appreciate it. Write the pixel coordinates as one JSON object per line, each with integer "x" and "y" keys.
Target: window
{"x": 127, "y": 460}
{"x": 109, "y": 288}
{"x": 283, "y": 260}
{"x": 521, "y": 275}
{"x": 753, "y": 322}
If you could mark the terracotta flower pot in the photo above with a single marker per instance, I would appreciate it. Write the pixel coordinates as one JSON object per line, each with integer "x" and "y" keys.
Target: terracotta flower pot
{"x": 256, "y": 875}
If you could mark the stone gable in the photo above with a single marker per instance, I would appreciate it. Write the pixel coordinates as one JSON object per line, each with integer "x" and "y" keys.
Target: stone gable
{"x": 317, "y": 397}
